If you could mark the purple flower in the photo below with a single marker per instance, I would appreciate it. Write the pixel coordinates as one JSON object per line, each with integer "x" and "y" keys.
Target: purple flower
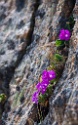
{"x": 64, "y": 35}
{"x": 48, "y": 75}
{"x": 45, "y": 82}
{"x": 52, "y": 74}
{"x": 41, "y": 87}
{"x": 43, "y": 90}
{"x": 45, "y": 75}
{"x": 44, "y": 87}
{"x": 35, "y": 97}
{"x": 67, "y": 35}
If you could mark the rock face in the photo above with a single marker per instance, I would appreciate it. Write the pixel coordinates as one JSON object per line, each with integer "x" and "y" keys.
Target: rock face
{"x": 28, "y": 30}
{"x": 64, "y": 101}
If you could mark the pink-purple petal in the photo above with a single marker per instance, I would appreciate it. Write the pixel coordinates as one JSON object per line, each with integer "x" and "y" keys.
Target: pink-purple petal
{"x": 35, "y": 97}
{"x": 39, "y": 86}
{"x": 64, "y": 35}
{"x": 45, "y": 75}
{"x": 52, "y": 74}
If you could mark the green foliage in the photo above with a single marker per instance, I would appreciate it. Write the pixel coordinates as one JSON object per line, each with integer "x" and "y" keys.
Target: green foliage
{"x": 57, "y": 62}
{"x": 70, "y": 23}
{"x": 71, "y": 19}
{"x": 58, "y": 57}
{"x": 44, "y": 97}
{"x": 2, "y": 98}
{"x": 49, "y": 89}
{"x": 59, "y": 43}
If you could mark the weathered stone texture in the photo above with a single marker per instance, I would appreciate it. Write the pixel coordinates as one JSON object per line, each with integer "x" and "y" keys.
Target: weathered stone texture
{"x": 64, "y": 101}
{"x": 28, "y": 29}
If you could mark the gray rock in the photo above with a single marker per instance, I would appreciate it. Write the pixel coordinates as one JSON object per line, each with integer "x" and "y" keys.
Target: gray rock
{"x": 63, "y": 103}
{"x": 28, "y": 30}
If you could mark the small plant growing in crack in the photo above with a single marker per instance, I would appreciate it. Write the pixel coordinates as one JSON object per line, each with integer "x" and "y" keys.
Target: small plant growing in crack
{"x": 70, "y": 23}
{"x": 64, "y": 38}
{"x": 43, "y": 87}
{"x": 65, "y": 34}
{"x": 43, "y": 91}
{"x": 49, "y": 77}
{"x": 2, "y": 98}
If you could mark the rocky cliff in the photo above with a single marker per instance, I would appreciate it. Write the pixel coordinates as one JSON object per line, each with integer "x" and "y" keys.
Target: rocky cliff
{"x": 28, "y": 30}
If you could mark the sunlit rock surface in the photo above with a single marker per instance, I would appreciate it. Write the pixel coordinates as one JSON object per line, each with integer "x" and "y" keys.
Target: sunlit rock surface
{"x": 28, "y": 30}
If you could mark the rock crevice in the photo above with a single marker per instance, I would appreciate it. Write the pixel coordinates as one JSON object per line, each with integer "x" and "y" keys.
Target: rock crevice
{"x": 28, "y": 33}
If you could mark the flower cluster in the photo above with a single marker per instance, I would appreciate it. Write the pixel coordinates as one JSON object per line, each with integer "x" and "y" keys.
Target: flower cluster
{"x": 64, "y": 37}
{"x": 64, "y": 34}
{"x": 41, "y": 87}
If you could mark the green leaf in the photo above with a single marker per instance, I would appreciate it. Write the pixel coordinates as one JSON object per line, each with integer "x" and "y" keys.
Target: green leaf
{"x": 58, "y": 57}
{"x": 42, "y": 98}
{"x": 68, "y": 26}
{"x": 54, "y": 81}
{"x": 2, "y": 97}
{"x": 71, "y": 19}
{"x": 59, "y": 43}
